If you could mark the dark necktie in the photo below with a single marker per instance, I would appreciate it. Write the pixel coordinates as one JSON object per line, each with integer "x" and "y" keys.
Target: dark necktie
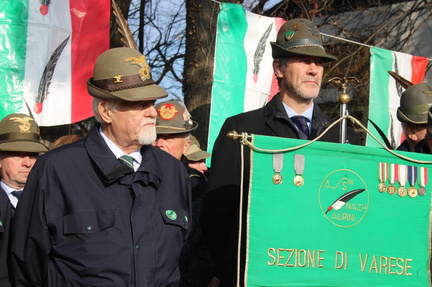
{"x": 301, "y": 123}
{"x": 126, "y": 160}
{"x": 16, "y": 193}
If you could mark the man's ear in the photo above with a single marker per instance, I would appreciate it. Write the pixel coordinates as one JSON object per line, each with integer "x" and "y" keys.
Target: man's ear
{"x": 277, "y": 68}
{"x": 186, "y": 146}
{"x": 411, "y": 133}
{"x": 104, "y": 112}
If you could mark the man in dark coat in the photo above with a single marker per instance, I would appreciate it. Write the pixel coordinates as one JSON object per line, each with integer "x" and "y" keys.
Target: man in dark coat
{"x": 425, "y": 145}
{"x": 412, "y": 113}
{"x": 299, "y": 58}
{"x": 173, "y": 127}
{"x": 20, "y": 145}
{"x": 109, "y": 209}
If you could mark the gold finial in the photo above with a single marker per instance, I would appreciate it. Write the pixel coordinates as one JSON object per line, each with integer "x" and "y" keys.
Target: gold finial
{"x": 344, "y": 98}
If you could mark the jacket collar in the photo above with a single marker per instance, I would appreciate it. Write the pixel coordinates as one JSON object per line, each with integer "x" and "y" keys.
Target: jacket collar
{"x": 275, "y": 110}
{"x": 112, "y": 169}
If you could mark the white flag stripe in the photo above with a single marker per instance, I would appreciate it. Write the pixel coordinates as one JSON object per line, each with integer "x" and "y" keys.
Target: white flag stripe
{"x": 258, "y": 92}
{"x": 44, "y": 31}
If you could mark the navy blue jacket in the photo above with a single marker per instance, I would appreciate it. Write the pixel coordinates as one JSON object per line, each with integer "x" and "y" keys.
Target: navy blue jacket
{"x": 220, "y": 211}
{"x": 85, "y": 219}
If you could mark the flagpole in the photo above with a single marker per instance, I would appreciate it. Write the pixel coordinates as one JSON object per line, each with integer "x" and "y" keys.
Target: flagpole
{"x": 346, "y": 40}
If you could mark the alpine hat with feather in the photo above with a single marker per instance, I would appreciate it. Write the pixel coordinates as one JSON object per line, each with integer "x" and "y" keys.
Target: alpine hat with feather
{"x": 20, "y": 133}
{"x": 299, "y": 37}
{"x": 123, "y": 73}
{"x": 414, "y": 104}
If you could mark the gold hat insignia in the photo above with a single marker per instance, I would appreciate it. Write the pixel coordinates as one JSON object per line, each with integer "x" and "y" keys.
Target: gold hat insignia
{"x": 25, "y": 125}
{"x": 141, "y": 61}
{"x": 167, "y": 112}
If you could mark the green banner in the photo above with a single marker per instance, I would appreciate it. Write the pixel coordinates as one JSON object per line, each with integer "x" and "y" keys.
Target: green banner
{"x": 337, "y": 215}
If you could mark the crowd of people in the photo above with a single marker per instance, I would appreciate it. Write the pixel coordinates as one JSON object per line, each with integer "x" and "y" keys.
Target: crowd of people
{"x": 132, "y": 202}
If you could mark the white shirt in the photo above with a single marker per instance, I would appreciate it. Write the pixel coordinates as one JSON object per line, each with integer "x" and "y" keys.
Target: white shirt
{"x": 136, "y": 155}
{"x": 8, "y": 190}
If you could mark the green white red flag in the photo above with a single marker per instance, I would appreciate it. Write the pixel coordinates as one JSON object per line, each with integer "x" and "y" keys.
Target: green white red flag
{"x": 47, "y": 53}
{"x": 243, "y": 74}
{"x": 384, "y": 97}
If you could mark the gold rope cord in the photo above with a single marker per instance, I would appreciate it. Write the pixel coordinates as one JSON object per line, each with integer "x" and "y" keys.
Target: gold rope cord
{"x": 244, "y": 141}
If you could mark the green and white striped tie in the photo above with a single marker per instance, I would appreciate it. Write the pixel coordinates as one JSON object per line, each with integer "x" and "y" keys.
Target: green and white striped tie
{"x": 126, "y": 160}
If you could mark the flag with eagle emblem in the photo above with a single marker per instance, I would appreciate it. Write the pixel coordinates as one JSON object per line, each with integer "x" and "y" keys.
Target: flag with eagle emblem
{"x": 47, "y": 53}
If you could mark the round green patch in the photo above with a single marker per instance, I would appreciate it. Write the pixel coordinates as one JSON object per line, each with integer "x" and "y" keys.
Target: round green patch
{"x": 289, "y": 35}
{"x": 171, "y": 214}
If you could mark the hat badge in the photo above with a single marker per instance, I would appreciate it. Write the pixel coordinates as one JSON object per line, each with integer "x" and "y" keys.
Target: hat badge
{"x": 144, "y": 72}
{"x": 167, "y": 112}
{"x": 25, "y": 125}
{"x": 289, "y": 35}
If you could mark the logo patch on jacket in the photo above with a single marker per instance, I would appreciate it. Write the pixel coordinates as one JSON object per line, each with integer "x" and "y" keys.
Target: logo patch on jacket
{"x": 171, "y": 214}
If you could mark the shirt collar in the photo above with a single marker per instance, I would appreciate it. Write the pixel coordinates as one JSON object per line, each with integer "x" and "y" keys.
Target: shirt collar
{"x": 6, "y": 187}
{"x": 136, "y": 155}
{"x": 308, "y": 113}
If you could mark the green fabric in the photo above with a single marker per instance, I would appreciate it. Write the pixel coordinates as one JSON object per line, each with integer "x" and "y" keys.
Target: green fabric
{"x": 13, "y": 31}
{"x": 381, "y": 63}
{"x": 126, "y": 160}
{"x": 369, "y": 241}
{"x": 230, "y": 67}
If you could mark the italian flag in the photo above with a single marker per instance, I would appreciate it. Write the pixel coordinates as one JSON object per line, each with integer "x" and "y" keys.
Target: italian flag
{"x": 47, "y": 52}
{"x": 384, "y": 97}
{"x": 243, "y": 71}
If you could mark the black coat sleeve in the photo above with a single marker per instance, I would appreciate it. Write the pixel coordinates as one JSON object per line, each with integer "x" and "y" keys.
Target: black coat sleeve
{"x": 220, "y": 211}
{"x": 30, "y": 238}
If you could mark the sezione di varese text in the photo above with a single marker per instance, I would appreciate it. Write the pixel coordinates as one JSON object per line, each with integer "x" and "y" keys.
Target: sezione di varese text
{"x": 302, "y": 258}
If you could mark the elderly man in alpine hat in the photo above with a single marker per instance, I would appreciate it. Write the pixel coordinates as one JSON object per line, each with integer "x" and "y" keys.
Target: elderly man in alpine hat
{"x": 20, "y": 146}
{"x": 109, "y": 209}
{"x": 413, "y": 114}
{"x": 299, "y": 58}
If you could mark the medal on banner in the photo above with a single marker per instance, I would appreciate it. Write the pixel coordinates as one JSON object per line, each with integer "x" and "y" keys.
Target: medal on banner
{"x": 423, "y": 180}
{"x": 277, "y": 167}
{"x": 382, "y": 176}
{"x": 393, "y": 175}
{"x": 299, "y": 165}
{"x": 402, "y": 179}
{"x": 412, "y": 179}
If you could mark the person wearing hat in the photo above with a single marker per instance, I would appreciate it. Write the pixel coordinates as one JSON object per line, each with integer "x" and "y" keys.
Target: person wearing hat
{"x": 173, "y": 127}
{"x": 20, "y": 146}
{"x": 109, "y": 209}
{"x": 196, "y": 156}
{"x": 298, "y": 63}
{"x": 413, "y": 114}
{"x": 425, "y": 145}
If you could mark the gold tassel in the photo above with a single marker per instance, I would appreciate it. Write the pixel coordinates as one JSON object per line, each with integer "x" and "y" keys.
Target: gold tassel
{"x": 127, "y": 37}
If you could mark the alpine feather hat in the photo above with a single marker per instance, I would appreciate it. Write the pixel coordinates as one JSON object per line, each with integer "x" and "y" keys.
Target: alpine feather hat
{"x": 299, "y": 37}
{"x": 20, "y": 132}
{"x": 123, "y": 73}
{"x": 173, "y": 118}
{"x": 414, "y": 104}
